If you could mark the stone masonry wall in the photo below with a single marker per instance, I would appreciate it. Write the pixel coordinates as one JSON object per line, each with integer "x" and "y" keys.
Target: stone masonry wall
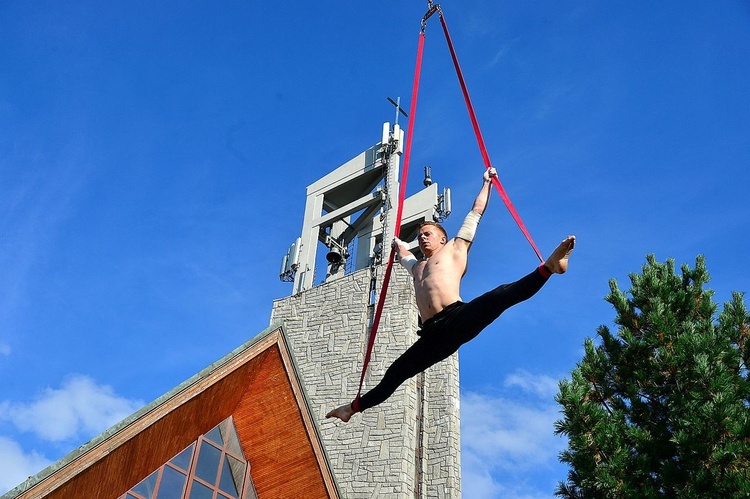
{"x": 375, "y": 455}
{"x": 442, "y": 436}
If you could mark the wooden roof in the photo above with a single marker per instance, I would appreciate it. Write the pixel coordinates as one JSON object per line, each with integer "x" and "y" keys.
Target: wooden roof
{"x": 256, "y": 384}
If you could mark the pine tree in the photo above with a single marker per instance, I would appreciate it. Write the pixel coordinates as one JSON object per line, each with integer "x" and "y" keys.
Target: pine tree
{"x": 662, "y": 408}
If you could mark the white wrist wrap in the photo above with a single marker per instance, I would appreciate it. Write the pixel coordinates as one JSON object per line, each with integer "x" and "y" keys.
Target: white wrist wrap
{"x": 469, "y": 227}
{"x": 409, "y": 262}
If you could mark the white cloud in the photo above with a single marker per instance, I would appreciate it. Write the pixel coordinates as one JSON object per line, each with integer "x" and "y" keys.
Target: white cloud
{"x": 80, "y": 408}
{"x": 5, "y": 349}
{"x": 476, "y": 480}
{"x": 507, "y": 438}
{"x": 541, "y": 385}
{"x": 17, "y": 466}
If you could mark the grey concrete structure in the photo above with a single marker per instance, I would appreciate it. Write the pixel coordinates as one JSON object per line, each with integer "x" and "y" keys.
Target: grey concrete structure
{"x": 408, "y": 446}
{"x": 348, "y": 210}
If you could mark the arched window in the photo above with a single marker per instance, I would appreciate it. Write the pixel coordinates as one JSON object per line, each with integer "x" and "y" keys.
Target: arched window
{"x": 212, "y": 467}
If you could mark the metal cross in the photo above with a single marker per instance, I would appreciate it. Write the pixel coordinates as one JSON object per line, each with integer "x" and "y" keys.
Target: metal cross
{"x": 397, "y": 103}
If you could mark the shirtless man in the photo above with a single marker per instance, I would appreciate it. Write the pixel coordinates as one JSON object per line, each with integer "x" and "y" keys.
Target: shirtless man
{"x": 447, "y": 322}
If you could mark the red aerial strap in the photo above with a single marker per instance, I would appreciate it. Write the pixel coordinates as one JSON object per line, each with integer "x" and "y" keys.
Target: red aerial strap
{"x": 480, "y": 141}
{"x": 404, "y": 177}
{"x": 399, "y": 213}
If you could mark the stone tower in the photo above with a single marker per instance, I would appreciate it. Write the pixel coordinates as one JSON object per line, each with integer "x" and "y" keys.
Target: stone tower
{"x": 408, "y": 446}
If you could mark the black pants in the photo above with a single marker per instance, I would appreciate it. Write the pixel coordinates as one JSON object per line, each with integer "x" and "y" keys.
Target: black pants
{"x": 450, "y": 328}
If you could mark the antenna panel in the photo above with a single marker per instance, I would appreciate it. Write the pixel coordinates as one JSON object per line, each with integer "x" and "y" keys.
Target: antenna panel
{"x": 290, "y": 262}
{"x": 294, "y": 253}
{"x": 284, "y": 263}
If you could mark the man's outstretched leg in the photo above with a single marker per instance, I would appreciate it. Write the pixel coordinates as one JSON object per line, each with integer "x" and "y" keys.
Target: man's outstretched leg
{"x": 418, "y": 357}
{"x": 483, "y": 310}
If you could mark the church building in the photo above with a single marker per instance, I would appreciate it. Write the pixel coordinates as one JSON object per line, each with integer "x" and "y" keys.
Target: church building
{"x": 252, "y": 424}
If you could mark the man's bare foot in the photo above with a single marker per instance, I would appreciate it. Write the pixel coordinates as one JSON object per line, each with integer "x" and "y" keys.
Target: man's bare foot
{"x": 557, "y": 262}
{"x": 344, "y": 413}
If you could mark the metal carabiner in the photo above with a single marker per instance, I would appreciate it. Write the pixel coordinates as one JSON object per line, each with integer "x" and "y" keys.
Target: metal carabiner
{"x": 433, "y": 7}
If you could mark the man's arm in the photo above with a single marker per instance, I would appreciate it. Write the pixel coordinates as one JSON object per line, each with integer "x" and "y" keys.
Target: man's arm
{"x": 483, "y": 198}
{"x": 469, "y": 227}
{"x": 405, "y": 257}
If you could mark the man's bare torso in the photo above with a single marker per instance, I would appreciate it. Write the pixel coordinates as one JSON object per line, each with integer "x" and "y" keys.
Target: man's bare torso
{"x": 437, "y": 279}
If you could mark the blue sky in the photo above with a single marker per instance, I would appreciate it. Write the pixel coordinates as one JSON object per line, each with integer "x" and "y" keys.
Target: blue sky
{"x": 154, "y": 158}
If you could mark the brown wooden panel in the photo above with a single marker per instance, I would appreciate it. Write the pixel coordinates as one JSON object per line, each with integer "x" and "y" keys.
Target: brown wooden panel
{"x": 270, "y": 426}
